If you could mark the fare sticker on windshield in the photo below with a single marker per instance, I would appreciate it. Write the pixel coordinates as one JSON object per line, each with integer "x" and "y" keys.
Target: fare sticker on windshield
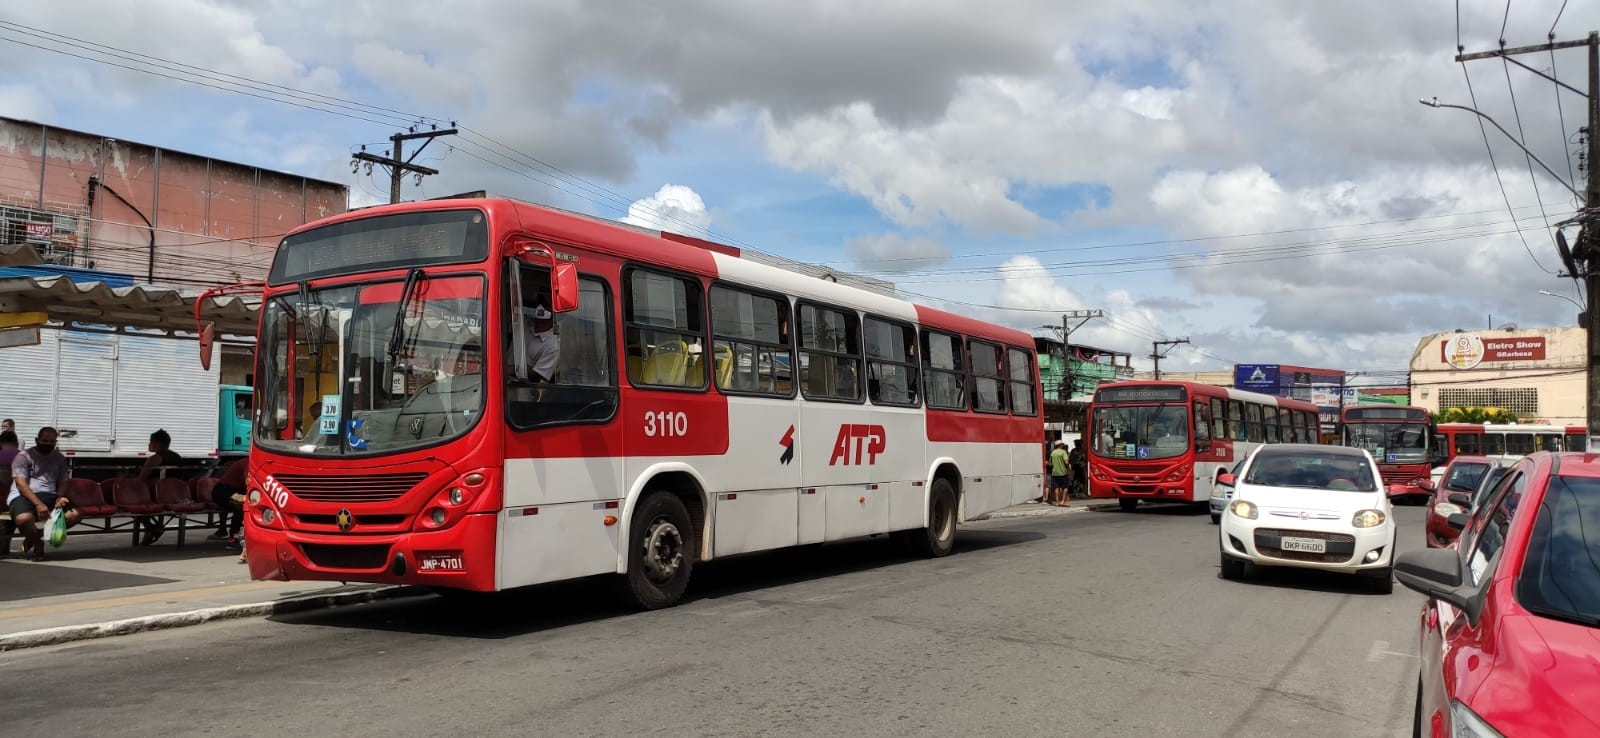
{"x": 328, "y": 422}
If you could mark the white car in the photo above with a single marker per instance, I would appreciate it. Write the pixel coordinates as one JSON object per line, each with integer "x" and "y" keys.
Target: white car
{"x": 1313, "y": 507}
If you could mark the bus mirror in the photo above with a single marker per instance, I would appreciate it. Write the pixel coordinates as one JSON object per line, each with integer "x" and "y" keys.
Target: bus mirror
{"x": 564, "y": 287}
{"x": 208, "y": 338}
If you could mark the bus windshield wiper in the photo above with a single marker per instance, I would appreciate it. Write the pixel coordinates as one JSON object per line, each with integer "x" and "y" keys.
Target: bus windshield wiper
{"x": 398, "y": 332}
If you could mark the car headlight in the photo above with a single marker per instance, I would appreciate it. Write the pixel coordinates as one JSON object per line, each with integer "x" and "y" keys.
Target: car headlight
{"x": 1446, "y": 509}
{"x": 1243, "y": 509}
{"x": 1368, "y": 519}
{"x": 1465, "y": 723}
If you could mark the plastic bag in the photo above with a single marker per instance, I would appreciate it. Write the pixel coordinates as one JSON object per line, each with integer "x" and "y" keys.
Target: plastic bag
{"x": 56, "y": 528}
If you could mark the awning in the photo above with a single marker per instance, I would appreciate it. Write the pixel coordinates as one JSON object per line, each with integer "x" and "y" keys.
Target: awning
{"x": 97, "y": 306}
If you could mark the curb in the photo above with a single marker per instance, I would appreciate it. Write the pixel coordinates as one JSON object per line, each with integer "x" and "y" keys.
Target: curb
{"x": 1037, "y": 513}
{"x": 164, "y": 621}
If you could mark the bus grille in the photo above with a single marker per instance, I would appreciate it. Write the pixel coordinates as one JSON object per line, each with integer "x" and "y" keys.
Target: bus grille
{"x": 1399, "y": 476}
{"x": 370, "y": 488}
{"x": 339, "y": 556}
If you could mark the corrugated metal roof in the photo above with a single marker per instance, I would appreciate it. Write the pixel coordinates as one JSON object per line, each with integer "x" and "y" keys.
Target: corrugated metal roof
{"x": 139, "y": 306}
{"x": 20, "y": 254}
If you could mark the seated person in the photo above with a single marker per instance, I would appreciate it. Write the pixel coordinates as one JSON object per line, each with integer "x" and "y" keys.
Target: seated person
{"x": 542, "y": 344}
{"x": 161, "y": 456}
{"x": 36, "y": 474}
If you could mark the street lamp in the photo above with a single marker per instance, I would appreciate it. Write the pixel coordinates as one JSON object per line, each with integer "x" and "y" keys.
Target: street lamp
{"x": 1434, "y": 103}
{"x": 1583, "y": 320}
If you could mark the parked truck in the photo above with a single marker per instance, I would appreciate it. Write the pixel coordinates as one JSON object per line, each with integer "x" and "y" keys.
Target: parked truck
{"x": 106, "y": 393}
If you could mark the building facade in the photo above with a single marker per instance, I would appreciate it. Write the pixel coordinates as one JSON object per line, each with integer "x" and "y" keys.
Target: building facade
{"x": 162, "y": 216}
{"x": 1536, "y": 373}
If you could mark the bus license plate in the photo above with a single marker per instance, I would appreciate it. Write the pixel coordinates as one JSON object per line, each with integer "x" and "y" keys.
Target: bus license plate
{"x": 1308, "y": 545}
{"x": 447, "y": 561}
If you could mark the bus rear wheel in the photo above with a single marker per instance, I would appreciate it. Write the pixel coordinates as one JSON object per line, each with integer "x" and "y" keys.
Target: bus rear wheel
{"x": 939, "y": 538}
{"x": 1127, "y": 504}
{"x": 661, "y": 552}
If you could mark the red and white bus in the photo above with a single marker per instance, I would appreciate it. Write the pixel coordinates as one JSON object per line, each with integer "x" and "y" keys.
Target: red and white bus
{"x": 411, "y": 429}
{"x": 1167, "y": 441}
{"x": 1509, "y": 440}
{"x": 1400, "y": 439}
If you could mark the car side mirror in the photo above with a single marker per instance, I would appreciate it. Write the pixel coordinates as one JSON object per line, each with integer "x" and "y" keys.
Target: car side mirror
{"x": 1428, "y": 486}
{"x": 1227, "y": 480}
{"x": 1461, "y": 498}
{"x": 1436, "y": 573}
{"x": 1457, "y": 521}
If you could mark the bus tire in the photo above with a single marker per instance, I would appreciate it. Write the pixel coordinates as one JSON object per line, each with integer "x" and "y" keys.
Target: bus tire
{"x": 1127, "y": 504}
{"x": 939, "y": 537}
{"x": 661, "y": 552}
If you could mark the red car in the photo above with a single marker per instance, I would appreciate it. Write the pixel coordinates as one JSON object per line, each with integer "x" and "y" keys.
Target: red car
{"x": 1459, "y": 480}
{"x": 1511, "y": 630}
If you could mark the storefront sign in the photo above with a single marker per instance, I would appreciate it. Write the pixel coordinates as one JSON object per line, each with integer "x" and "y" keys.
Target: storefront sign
{"x": 1467, "y": 350}
{"x": 41, "y": 231}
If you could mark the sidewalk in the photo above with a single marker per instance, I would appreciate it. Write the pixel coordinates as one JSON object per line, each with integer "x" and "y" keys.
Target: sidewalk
{"x": 98, "y": 585}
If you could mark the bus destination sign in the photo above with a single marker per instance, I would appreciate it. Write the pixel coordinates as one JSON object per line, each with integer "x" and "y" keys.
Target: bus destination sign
{"x": 1386, "y": 413}
{"x": 1140, "y": 394}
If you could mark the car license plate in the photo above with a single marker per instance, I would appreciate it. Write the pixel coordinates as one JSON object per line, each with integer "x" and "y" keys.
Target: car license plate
{"x": 451, "y": 561}
{"x": 1308, "y": 545}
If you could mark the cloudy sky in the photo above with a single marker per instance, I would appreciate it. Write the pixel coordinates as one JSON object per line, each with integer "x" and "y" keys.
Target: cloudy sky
{"x": 1256, "y": 176}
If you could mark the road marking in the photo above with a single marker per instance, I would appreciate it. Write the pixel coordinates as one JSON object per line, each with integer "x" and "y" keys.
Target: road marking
{"x": 131, "y": 600}
{"x": 1380, "y": 649}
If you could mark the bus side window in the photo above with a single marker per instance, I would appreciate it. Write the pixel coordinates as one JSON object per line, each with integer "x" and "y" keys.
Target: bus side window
{"x": 1494, "y": 444}
{"x": 1202, "y": 426}
{"x": 1236, "y": 420}
{"x": 665, "y": 328}
{"x": 1219, "y": 419}
{"x": 584, "y": 387}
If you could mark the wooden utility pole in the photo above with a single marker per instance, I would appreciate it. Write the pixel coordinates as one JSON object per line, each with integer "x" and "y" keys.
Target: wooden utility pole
{"x": 1157, "y": 355}
{"x": 1587, "y": 253}
{"x": 397, "y": 165}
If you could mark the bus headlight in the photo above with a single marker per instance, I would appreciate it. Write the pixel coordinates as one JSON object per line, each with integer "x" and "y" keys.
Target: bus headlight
{"x": 457, "y": 496}
{"x": 1368, "y": 519}
{"x": 255, "y": 497}
{"x": 1243, "y": 509}
{"x": 267, "y": 516}
{"x": 438, "y": 516}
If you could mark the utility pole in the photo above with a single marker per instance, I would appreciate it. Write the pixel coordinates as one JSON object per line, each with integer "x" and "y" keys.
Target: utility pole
{"x": 1082, "y": 316}
{"x": 1157, "y": 354}
{"x": 1587, "y": 252}
{"x": 399, "y": 166}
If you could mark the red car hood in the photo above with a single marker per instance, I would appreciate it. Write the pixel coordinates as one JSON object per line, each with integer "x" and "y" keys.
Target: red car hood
{"x": 1546, "y": 681}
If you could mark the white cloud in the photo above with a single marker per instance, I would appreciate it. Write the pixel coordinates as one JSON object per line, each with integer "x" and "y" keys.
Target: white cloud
{"x": 893, "y": 252}
{"x": 674, "y": 208}
{"x": 26, "y": 102}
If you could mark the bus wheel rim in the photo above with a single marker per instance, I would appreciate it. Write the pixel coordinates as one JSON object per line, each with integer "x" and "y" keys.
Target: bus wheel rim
{"x": 663, "y": 550}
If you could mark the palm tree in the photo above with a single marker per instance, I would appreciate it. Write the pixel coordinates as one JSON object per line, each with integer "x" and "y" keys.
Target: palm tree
{"x": 1475, "y": 415}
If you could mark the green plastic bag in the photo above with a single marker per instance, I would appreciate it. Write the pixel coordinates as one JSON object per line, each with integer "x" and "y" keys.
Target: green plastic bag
{"x": 57, "y": 531}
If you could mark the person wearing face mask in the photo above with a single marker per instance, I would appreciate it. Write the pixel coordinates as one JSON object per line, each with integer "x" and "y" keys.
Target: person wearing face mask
{"x": 37, "y": 475}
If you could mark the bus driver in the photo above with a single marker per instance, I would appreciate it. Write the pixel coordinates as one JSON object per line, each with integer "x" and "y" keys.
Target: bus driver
{"x": 543, "y": 344}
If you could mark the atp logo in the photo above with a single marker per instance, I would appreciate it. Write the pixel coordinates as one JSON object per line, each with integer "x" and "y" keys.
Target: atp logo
{"x": 787, "y": 442}
{"x": 854, "y": 440}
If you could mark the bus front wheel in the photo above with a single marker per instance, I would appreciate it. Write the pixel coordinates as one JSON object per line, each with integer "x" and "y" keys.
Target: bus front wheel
{"x": 661, "y": 552}
{"x": 1127, "y": 504}
{"x": 940, "y": 536}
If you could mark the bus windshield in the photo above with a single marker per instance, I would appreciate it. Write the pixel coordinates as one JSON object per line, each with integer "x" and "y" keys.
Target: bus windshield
{"x": 371, "y": 368}
{"x": 1390, "y": 443}
{"x": 1141, "y": 431}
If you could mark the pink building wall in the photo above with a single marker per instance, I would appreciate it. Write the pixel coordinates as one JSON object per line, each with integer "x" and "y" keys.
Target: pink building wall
{"x": 213, "y": 221}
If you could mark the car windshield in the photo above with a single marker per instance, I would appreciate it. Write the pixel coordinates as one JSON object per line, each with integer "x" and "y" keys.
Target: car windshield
{"x": 1561, "y": 574}
{"x": 1312, "y": 470}
{"x": 1141, "y": 431}
{"x": 1464, "y": 477}
{"x": 371, "y": 367}
{"x": 1391, "y": 443}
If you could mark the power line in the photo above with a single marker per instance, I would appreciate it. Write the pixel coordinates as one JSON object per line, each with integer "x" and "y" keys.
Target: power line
{"x": 1561, "y": 115}
{"x": 1523, "y": 139}
{"x": 1492, "y": 165}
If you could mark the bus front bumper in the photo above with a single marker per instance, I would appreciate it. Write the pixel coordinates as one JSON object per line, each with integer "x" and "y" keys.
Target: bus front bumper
{"x": 460, "y": 557}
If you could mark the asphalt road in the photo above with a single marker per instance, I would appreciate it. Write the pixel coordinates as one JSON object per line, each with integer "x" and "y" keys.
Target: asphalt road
{"x": 1091, "y": 623}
